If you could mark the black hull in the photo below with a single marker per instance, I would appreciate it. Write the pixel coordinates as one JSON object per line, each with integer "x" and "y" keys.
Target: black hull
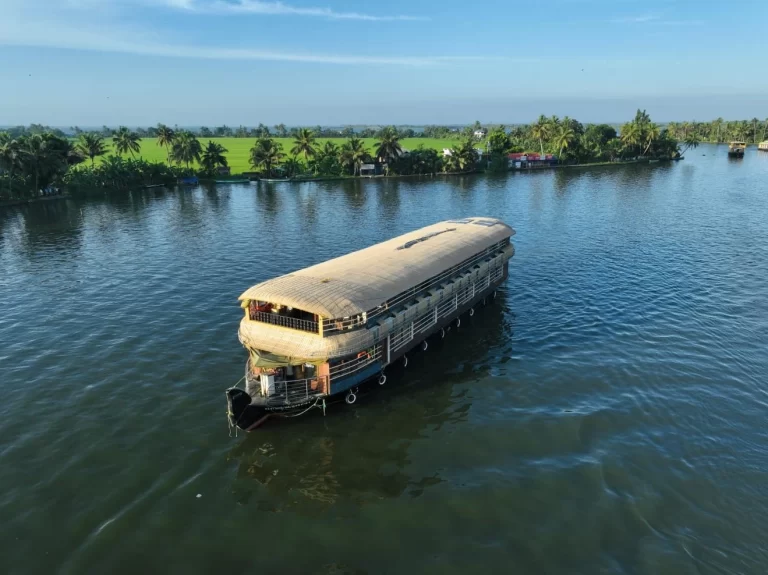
{"x": 247, "y": 415}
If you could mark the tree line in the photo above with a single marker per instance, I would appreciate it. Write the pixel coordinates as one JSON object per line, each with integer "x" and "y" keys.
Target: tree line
{"x": 30, "y": 163}
{"x": 308, "y": 157}
{"x": 717, "y": 131}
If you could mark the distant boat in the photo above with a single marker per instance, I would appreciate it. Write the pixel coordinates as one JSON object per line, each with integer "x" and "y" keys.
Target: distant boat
{"x": 232, "y": 181}
{"x": 736, "y": 149}
{"x": 188, "y": 181}
{"x": 274, "y": 179}
{"x": 763, "y": 146}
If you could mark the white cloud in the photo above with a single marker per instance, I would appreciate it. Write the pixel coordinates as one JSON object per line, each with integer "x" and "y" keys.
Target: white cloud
{"x": 636, "y": 19}
{"x": 79, "y": 25}
{"x": 273, "y": 8}
{"x": 654, "y": 20}
{"x": 70, "y": 25}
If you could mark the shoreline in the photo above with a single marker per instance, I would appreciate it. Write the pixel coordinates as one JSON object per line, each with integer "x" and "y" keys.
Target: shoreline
{"x": 24, "y": 202}
{"x": 236, "y": 179}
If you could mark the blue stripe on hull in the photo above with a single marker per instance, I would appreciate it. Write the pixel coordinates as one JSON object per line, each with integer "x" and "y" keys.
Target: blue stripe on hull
{"x": 356, "y": 378}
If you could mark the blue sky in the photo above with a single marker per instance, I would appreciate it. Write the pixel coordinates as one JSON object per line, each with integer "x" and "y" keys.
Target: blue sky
{"x": 209, "y": 62}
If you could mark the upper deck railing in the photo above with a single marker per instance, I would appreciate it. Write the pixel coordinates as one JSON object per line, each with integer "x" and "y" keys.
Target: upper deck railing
{"x": 284, "y": 321}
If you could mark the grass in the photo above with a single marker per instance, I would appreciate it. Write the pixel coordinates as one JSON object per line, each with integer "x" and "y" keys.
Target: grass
{"x": 239, "y": 148}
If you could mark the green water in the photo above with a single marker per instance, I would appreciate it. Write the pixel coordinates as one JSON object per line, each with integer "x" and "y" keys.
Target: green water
{"x": 605, "y": 415}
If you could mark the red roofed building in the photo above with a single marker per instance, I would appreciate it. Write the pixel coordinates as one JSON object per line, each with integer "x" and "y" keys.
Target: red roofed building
{"x": 524, "y": 161}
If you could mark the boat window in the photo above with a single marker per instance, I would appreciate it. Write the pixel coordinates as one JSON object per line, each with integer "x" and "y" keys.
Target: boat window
{"x": 463, "y": 221}
{"x": 486, "y": 223}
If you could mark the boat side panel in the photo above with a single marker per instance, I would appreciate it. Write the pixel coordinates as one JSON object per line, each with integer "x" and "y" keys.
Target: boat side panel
{"x": 446, "y": 321}
{"x": 343, "y": 384}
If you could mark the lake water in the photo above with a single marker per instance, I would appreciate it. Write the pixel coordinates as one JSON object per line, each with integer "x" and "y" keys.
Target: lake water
{"x": 607, "y": 414}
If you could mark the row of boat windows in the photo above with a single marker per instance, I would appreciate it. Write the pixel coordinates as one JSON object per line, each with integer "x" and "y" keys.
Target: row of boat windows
{"x": 301, "y": 320}
{"x": 409, "y": 296}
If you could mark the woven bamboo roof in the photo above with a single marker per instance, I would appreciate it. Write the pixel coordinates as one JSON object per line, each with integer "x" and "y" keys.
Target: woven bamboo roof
{"x": 360, "y": 281}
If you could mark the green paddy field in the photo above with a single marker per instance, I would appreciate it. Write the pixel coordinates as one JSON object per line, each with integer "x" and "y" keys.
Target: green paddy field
{"x": 238, "y": 148}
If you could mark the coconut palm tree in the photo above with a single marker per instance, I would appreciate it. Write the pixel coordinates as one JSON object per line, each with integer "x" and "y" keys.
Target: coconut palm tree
{"x": 329, "y": 149}
{"x": 292, "y": 166}
{"x": 91, "y": 145}
{"x": 353, "y": 153}
{"x": 462, "y": 157}
{"x": 650, "y": 135}
{"x": 266, "y": 154}
{"x": 717, "y": 125}
{"x": 10, "y": 155}
{"x": 126, "y": 141}
{"x": 327, "y": 160}
{"x": 691, "y": 142}
{"x": 213, "y": 157}
{"x": 564, "y": 137}
{"x": 613, "y": 149}
{"x": 186, "y": 148}
{"x": 388, "y": 148}
{"x": 304, "y": 143}
{"x": 630, "y": 136}
{"x": 540, "y": 131}
{"x": 165, "y": 136}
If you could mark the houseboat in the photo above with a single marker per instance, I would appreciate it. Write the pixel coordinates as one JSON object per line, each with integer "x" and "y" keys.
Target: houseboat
{"x": 736, "y": 149}
{"x": 320, "y": 332}
{"x": 763, "y": 146}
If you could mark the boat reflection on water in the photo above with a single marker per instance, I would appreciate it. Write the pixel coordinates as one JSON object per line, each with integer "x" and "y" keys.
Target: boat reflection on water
{"x": 361, "y": 454}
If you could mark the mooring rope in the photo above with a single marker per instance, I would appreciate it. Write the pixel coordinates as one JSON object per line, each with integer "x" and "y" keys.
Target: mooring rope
{"x": 306, "y": 410}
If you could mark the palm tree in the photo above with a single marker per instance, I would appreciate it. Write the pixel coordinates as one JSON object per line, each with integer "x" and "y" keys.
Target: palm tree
{"x": 717, "y": 125}
{"x": 91, "y": 145}
{"x": 389, "y": 147}
{"x": 613, "y": 149}
{"x": 650, "y": 136}
{"x": 304, "y": 143}
{"x": 755, "y": 122}
{"x": 630, "y": 135}
{"x": 353, "y": 153}
{"x": 266, "y": 153}
{"x": 10, "y": 154}
{"x": 34, "y": 155}
{"x": 692, "y": 141}
{"x": 213, "y": 157}
{"x": 642, "y": 119}
{"x": 462, "y": 157}
{"x": 540, "y": 131}
{"x": 126, "y": 141}
{"x": 292, "y": 166}
{"x": 554, "y": 123}
{"x": 186, "y": 148}
{"x": 564, "y": 137}
{"x": 329, "y": 149}
{"x": 165, "y": 137}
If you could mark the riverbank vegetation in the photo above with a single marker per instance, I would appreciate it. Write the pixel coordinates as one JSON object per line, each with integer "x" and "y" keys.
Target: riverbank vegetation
{"x": 34, "y": 161}
{"x": 720, "y": 131}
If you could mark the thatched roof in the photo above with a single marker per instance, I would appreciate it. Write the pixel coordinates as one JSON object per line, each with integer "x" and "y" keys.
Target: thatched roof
{"x": 360, "y": 281}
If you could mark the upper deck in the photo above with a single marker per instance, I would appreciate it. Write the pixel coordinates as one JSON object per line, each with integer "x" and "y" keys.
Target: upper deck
{"x": 347, "y": 291}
